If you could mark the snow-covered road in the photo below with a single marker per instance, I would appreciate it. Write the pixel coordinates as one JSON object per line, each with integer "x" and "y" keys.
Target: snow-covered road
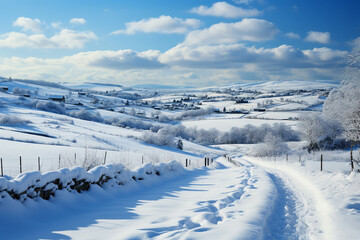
{"x": 207, "y": 204}
{"x": 309, "y": 205}
{"x": 253, "y": 201}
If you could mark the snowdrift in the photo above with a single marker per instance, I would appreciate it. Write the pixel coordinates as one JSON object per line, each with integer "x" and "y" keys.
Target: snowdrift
{"x": 37, "y": 185}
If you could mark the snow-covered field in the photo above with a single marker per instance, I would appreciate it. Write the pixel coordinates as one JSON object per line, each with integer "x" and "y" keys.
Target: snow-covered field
{"x": 244, "y": 198}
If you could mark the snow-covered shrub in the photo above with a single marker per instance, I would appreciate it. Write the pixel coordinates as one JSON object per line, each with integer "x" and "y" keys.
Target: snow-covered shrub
{"x": 246, "y": 135}
{"x": 273, "y": 146}
{"x": 12, "y": 120}
{"x": 20, "y": 91}
{"x": 51, "y": 106}
{"x": 192, "y": 114}
{"x": 164, "y": 118}
{"x": 183, "y": 115}
{"x": 133, "y": 123}
{"x": 160, "y": 138}
{"x": 86, "y": 115}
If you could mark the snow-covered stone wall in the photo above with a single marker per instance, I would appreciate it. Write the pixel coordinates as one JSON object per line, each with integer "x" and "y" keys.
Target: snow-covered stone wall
{"x": 37, "y": 185}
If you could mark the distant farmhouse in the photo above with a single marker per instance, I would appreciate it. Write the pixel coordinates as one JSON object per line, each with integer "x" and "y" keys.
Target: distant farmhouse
{"x": 58, "y": 98}
{"x": 241, "y": 101}
{"x": 259, "y": 109}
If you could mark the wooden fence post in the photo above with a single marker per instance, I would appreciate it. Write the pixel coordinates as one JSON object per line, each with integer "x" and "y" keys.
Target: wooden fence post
{"x": 321, "y": 162}
{"x": 20, "y": 165}
{"x": 59, "y": 161}
{"x": 2, "y": 169}
{"x": 287, "y": 157}
{"x": 205, "y": 162}
{"x": 351, "y": 157}
{"x": 186, "y": 162}
{"x": 105, "y": 157}
{"x": 39, "y": 164}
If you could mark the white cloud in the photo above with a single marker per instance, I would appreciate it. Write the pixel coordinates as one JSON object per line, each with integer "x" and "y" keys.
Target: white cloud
{"x": 162, "y": 24}
{"x": 246, "y": 30}
{"x": 224, "y": 9}
{"x": 28, "y": 24}
{"x": 238, "y": 55}
{"x": 56, "y": 25}
{"x": 324, "y": 54}
{"x": 66, "y": 38}
{"x": 320, "y": 37}
{"x": 292, "y": 35}
{"x": 193, "y": 65}
{"x": 243, "y": 1}
{"x": 79, "y": 21}
{"x": 120, "y": 60}
{"x": 101, "y": 66}
{"x": 355, "y": 44}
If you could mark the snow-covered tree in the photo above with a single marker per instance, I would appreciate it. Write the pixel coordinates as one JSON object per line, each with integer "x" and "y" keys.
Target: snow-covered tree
{"x": 343, "y": 104}
{"x": 320, "y": 132}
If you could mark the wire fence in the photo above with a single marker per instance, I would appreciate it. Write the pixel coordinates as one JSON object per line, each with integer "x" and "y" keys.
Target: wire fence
{"x": 11, "y": 166}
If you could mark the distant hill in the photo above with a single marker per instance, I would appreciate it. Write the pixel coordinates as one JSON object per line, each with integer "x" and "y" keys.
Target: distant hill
{"x": 159, "y": 86}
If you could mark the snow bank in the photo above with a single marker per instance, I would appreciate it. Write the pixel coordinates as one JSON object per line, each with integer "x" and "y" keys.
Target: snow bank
{"x": 36, "y": 185}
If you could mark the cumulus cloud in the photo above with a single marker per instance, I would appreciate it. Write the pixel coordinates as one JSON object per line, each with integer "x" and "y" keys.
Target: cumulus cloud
{"x": 355, "y": 44}
{"x": 292, "y": 35}
{"x": 79, "y": 21}
{"x": 66, "y": 38}
{"x": 324, "y": 54}
{"x": 120, "y": 60}
{"x": 56, "y": 25}
{"x": 235, "y": 55}
{"x": 162, "y": 24}
{"x": 320, "y": 37}
{"x": 248, "y": 29}
{"x": 28, "y": 24}
{"x": 185, "y": 64}
{"x": 224, "y": 9}
{"x": 243, "y": 1}
{"x": 101, "y": 66}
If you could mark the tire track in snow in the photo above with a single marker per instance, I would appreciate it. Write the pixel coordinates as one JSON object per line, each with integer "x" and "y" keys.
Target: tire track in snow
{"x": 283, "y": 223}
{"x": 314, "y": 213}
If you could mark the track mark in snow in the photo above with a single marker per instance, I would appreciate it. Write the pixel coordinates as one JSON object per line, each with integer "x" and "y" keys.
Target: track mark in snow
{"x": 283, "y": 223}
{"x": 298, "y": 198}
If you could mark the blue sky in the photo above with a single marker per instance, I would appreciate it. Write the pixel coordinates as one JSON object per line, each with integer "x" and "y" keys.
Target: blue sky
{"x": 185, "y": 42}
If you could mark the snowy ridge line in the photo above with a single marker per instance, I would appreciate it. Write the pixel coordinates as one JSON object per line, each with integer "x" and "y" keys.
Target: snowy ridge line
{"x": 36, "y": 185}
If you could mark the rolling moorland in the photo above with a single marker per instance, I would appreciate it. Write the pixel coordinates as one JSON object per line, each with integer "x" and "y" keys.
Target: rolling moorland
{"x": 95, "y": 161}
